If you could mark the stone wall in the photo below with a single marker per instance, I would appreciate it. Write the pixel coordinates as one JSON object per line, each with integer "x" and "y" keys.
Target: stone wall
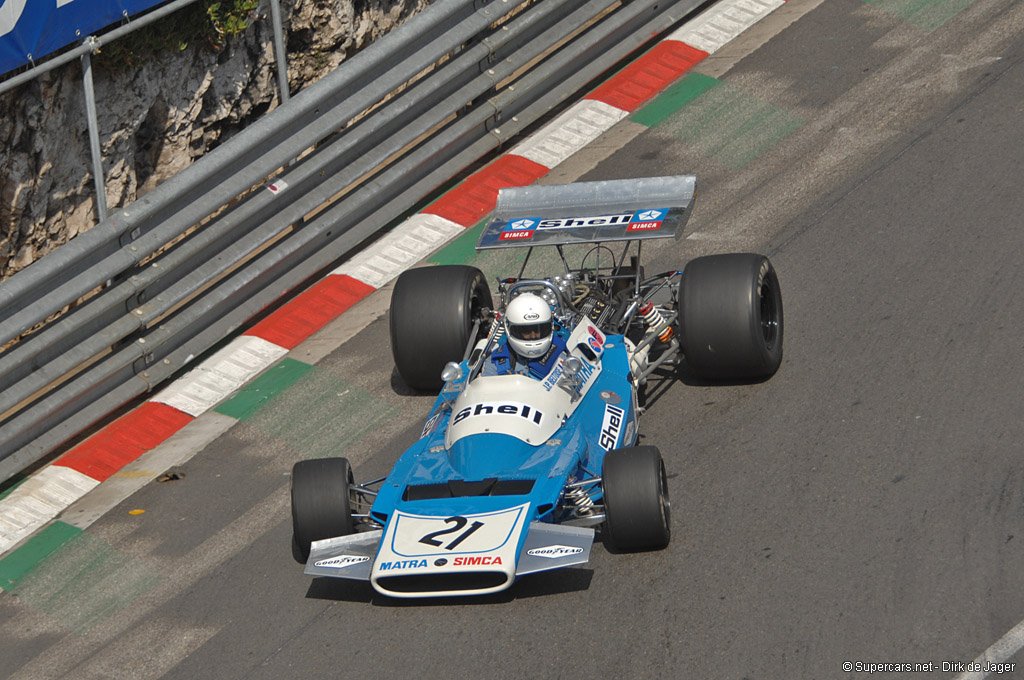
{"x": 156, "y": 120}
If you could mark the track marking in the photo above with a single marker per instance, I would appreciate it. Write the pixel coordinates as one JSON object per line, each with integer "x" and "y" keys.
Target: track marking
{"x": 209, "y": 383}
{"x": 1003, "y": 649}
{"x": 38, "y": 500}
{"x": 119, "y": 633}
{"x": 322, "y": 402}
{"x": 84, "y": 583}
{"x": 927, "y": 15}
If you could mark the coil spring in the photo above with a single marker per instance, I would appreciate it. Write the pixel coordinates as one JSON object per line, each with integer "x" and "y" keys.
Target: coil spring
{"x": 497, "y": 325}
{"x": 580, "y": 499}
{"x": 653, "y": 318}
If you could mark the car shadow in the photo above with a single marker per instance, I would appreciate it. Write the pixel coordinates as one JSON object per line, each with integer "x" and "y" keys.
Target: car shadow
{"x": 659, "y": 382}
{"x": 399, "y": 387}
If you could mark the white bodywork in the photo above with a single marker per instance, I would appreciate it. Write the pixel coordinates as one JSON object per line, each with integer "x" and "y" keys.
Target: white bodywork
{"x": 424, "y": 545}
{"x": 523, "y": 407}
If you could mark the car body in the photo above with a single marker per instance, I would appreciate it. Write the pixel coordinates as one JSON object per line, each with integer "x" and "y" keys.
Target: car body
{"x": 512, "y": 474}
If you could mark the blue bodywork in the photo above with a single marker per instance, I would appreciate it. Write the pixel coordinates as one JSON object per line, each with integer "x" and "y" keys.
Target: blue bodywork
{"x": 574, "y": 453}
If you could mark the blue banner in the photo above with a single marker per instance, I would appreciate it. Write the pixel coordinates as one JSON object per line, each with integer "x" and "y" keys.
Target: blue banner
{"x": 31, "y": 29}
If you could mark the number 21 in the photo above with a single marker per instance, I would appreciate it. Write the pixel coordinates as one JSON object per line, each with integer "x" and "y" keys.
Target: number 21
{"x": 431, "y": 538}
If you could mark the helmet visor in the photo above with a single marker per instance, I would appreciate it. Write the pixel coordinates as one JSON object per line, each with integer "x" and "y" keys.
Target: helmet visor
{"x": 530, "y": 331}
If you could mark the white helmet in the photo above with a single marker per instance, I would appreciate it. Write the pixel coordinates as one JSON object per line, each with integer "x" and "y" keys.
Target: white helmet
{"x": 528, "y": 324}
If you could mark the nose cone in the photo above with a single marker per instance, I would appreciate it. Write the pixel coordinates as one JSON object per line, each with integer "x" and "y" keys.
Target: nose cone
{"x": 491, "y": 455}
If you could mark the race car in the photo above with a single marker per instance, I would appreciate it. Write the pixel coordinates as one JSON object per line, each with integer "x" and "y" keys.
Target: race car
{"x": 515, "y": 471}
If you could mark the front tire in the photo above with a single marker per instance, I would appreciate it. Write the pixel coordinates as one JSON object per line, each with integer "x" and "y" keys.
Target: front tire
{"x": 636, "y": 504}
{"x": 731, "y": 317}
{"x": 432, "y": 315}
{"x": 321, "y": 502}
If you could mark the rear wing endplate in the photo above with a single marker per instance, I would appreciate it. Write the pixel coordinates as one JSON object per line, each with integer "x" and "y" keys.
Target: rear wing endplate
{"x": 590, "y": 212}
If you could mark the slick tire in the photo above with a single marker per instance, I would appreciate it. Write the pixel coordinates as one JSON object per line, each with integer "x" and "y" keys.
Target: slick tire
{"x": 636, "y": 503}
{"x": 321, "y": 502}
{"x": 731, "y": 317}
{"x": 432, "y": 314}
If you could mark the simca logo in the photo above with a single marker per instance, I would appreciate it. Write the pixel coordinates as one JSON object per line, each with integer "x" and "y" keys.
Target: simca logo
{"x": 644, "y": 226}
{"x": 513, "y": 235}
{"x": 647, "y": 220}
{"x": 485, "y": 560}
{"x": 518, "y": 229}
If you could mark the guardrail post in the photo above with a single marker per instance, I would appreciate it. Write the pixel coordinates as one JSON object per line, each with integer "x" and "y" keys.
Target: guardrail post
{"x": 281, "y": 57}
{"x": 94, "y": 134}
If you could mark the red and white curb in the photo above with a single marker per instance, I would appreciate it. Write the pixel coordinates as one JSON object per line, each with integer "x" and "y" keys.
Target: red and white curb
{"x": 50, "y": 491}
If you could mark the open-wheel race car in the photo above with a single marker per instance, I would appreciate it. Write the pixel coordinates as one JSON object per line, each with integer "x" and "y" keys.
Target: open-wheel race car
{"x": 531, "y": 443}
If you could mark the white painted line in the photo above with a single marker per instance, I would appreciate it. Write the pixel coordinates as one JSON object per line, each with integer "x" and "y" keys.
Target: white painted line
{"x": 212, "y": 381}
{"x": 998, "y": 653}
{"x": 400, "y": 248}
{"x": 38, "y": 500}
{"x": 175, "y": 450}
{"x": 152, "y": 648}
{"x": 578, "y": 126}
{"x": 723, "y": 22}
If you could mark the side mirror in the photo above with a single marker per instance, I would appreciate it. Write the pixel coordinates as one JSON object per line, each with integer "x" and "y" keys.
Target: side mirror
{"x": 452, "y": 372}
{"x": 572, "y": 366}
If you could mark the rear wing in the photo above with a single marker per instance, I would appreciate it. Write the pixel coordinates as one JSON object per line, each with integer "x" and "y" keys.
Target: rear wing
{"x": 590, "y": 212}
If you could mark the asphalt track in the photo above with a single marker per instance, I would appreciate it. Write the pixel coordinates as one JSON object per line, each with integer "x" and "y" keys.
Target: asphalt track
{"x": 864, "y": 505}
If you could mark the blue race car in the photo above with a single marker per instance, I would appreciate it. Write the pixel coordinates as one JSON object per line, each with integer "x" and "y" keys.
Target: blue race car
{"x": 515, "y": 469}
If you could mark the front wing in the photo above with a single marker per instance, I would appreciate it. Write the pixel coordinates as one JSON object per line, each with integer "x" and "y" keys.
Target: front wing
{"x": 432, "y": 556}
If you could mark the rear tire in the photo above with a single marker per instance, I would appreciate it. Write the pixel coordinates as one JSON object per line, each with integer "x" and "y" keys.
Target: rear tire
{"x": 636, "y": 505}
{"x": 432, "y": 314}
{"x": 321, "y": 502}
{"x": 731, "y": 317}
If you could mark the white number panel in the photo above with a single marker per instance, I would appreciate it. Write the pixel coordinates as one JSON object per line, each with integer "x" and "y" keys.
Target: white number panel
{"x": 422, "y": 536}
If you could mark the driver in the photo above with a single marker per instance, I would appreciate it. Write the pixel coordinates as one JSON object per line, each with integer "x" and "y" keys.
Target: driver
{"x": 532, "y": 347}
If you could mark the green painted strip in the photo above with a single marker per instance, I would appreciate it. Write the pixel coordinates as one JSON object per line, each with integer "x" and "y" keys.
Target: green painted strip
{"x": 729, "y": 125}
{"x": 322, "y": 415}
{"x": 463, "y": 249}
{"x": 11, "y": 484}
{"x": 758, "y": 135}
{"x": 674, "y": 98}
{"x": 17, "y": 565}
{"x": 927, "y": 15}
{"x": 83, "y": 582}
{"x": 252, "y": 397}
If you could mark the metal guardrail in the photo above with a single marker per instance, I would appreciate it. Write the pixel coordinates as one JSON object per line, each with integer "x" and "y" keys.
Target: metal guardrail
{"x": 171, "y": 275}
{"x": 92, "y": 44}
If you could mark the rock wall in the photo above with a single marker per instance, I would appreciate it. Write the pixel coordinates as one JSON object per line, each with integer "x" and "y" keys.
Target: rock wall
{"x": 156, "y": 120}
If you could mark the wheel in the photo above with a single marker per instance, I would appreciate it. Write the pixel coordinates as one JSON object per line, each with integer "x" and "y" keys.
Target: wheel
{"x": 636, "y": 506}
{"x": 321, "y": 502}
{"x": 432, "y": 315}
{"x": 731, "y": 317}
